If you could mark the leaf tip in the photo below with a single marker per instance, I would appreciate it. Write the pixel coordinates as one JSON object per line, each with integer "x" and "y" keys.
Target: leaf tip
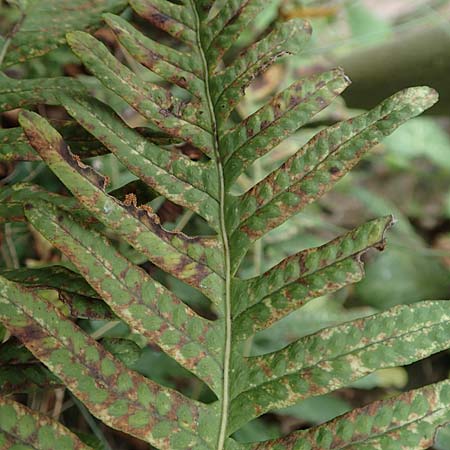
{"x": 109, "y": 18}
{"x": 346, "y": 78}
{"x": 422, "y": 97}
{"x": 26, "y": 118}
{"x": 75, "y": 38}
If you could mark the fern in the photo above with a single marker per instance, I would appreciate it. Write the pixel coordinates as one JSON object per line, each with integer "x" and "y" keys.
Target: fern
{"x": 202, "y": 86}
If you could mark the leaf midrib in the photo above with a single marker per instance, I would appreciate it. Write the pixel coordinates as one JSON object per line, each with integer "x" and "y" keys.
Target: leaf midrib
{"x": 225, "y": 399}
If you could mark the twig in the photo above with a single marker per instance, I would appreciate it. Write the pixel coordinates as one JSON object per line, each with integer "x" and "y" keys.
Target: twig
{"x": 259, "y": 244}
{"x": 10, "y": 245}
{"x": 59, "y": 399}
{"x": 104, "y": 329}
{"x": 184, "y": 220}
{"x": 92, "y": 423}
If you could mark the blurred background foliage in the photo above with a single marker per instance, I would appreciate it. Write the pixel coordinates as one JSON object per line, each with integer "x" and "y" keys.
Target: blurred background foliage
{"x": 408, "y": 176}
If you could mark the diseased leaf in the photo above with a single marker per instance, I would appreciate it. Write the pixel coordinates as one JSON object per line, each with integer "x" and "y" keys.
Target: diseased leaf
{"x": 307, "y": 262}
{"x": 259, "y": 133}
{"x": 229, "y": 22}
{"x": 187, "y": 183}
{"x": 141, "y": 302}
{"x": 21, "y": 427}
{"x": 405, "y": 422}
{"x": 121, "y": 398}
{"x": 340, "y": 142}
{"x": 140, "y": 227}
{"x": 288, "y": 37}
{"x": 275, "y": 199}
{"x": 24, "y": 93}
{"x": 46, "y": 24}
{"x": 155, "y": 103}
{"x": 174, "y": 66}
{"x": 13, "y": 198}
{"x": 175, "y": 19}
{"x": 294, "y": 295}
{"x": 334, "y": 357}
{"x": 55, "y": 277}
{"x": 185, "y": 80}
{"x": 14, "y": 145}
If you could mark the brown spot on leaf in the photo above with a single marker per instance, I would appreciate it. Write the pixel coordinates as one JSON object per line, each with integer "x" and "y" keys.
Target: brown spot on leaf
{"x": 158, "y": 19}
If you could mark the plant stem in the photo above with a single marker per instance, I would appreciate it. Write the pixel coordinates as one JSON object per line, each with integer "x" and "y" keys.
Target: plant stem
{"x": 225, "y": 398}
{"x": 104, "y": 329}
{"x": 184, "y": 220}
{"x": 92, "y": 423}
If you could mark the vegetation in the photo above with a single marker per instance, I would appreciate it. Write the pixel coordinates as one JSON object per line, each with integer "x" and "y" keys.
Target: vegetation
{"x": 187, "y": 83}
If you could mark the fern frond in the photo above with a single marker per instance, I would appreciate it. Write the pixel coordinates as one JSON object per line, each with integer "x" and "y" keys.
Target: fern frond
{"x": 120, "y": 397}
{"x": 155, "y": 103}
{"x": 196, "y": 83}
{"x": 45, "y": 24}
{"x": 147, "y": 306}
{"x": 170, "y": 173}
{"x": 337, "y": 356}
{"x": 14, "y": 145}
{"x": 23, "y": 93}
{"x": 25, "y": 428}
{"x": 408, "y": 421}
{"x": 313, "y": 171}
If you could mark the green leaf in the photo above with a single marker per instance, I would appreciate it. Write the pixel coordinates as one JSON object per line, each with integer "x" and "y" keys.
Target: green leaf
{"x": 141, "y": 302}
{"x": 405, "y": 422}
{"x": 23, "y": 93}
{"x": 155, "y": 103}
{"x": 322, "y": 162}
{"x": 21, "y": 427}
{"x": 46, "y": 24}
{"x": 56, "y": 277}
{"x": 334, "y": 357}
{"x": 115, "y": 391}
{"x": 138, "y": 225}
{"x": 82, "y": 307}
{"x": 20, "y": 372}
{"x": 186, "y": 89}
{"x": 14, "y": 145}
{"x": 283, "y": 115}
{"x": 26, "y": 378}
{"x": 124, "y": 349}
